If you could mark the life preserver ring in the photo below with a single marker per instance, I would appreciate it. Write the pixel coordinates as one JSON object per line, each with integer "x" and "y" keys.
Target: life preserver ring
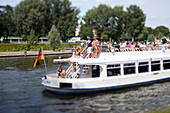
{"x": 78, "y": 50}
{"x": 94, "y": 53}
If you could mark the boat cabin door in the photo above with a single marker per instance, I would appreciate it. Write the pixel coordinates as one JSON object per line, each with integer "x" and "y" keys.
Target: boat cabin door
{"x": 95, "y": 71}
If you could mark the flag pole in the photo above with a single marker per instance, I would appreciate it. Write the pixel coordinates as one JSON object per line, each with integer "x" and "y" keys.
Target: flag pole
{"x": 44, "y": 60}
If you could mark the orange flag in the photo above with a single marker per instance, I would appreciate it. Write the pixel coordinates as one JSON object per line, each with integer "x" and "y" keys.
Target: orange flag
{"x": 39, "y": 57}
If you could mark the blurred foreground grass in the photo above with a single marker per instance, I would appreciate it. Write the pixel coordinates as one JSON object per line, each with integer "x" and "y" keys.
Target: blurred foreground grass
{"x": 162, "y": 111}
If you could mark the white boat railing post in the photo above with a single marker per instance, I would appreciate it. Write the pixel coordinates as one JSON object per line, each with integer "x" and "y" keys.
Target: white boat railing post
{"x": 137, "y": 69}
{"x": 122, "y": 69}
{"x": 150, "y": 70}
{"x": 162, "y": 67}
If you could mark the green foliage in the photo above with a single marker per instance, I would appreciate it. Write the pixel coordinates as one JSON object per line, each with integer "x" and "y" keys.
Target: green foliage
{"x": 17, "y": 47}
{"x": 29, "y": 15}
{"x": 114, "y": 22}
{"x": 61, "y": 14}
{"x": 40, "y": 15}
{"x": 8, "y": 27}
{"x": 54, "y": 38}
{"x": 118, "y": 19}
{"x": 105, "y": 37}
{"x": 161, "y": 29}
{"x": 151, "y": 38}
{"x": 85, "y": 30}
{"x": 32, "y": 38}
{"x": 160, "y": 35}
{"x": 98, "y": 18}
{"x": 161, "y": 111}
{"x": 134, "y": 21}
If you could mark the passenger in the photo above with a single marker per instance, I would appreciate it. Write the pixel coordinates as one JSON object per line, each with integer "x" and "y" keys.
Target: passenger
{"x": 163, "y": 40}
{"x": 143, "y": 46}
{"x": 94, "y": 33}
{"x": 128, "y": 45}
{"x": 59, "y": 70}
{"x": 64, "y": 74}
{"x": 137, "y": 45}
{"x": 166, "y": 45}
{"x": 133, "y": 44}
{"x": 157, "y": 41}
{"x": 61, "y": 73}
{"x": 95, "y": 42}
{"x": 124, "y": 44}
{"x": 74, "y": 67}
{"x": 110, "y": 47}
{"x": 89, "y": 45}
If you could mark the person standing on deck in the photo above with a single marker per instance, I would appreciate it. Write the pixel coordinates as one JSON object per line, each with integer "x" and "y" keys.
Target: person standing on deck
{"x": 95, "y": 42}
{"x": 89, "y": 44}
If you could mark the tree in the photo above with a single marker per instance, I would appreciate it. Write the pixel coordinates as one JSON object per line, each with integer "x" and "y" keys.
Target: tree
{"x": 161, "y": 29}
{"x": 105, "y": 37}
{"x": 117, "y": 22}
{"x": 134, "y": 21}
{"x": 54, "y": 38}
{"x": 32, "y": 38}
{"x": 29, "y": 15}
{"x": 151, "y": 38}
{"x": 64, "y": 17}
{"x": 8, "y": 27}
{"x": 99, "y": 18}
{"x": 160, "y": 35}
{"x": 85, "y": 30}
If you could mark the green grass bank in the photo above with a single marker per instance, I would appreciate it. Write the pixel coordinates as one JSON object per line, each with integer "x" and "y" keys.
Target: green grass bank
{"x": 162, "y": 111}
{"x": 8, "y": 47}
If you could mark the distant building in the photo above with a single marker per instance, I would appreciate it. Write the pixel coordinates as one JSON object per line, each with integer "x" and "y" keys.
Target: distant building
{"x": 43, "y": 39}
{"x": 13, "y": 39}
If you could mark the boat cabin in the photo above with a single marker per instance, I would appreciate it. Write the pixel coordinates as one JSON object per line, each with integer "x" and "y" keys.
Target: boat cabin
{"x": 104, "y": 64}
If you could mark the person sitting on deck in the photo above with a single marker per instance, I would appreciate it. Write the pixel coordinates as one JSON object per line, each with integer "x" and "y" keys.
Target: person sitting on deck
{"x": 74, "y": 67}
{"x": 64, "y": 74}
{"x": 110, "y": 47}
{"x": 59, "y": 70}
{"x": 61, "y": 73}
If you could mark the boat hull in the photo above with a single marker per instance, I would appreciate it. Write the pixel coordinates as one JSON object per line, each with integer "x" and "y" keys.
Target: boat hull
{"x": 68, "y": 91}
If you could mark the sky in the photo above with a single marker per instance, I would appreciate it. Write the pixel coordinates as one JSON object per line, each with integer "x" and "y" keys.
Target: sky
{"x": 156, "y": 11}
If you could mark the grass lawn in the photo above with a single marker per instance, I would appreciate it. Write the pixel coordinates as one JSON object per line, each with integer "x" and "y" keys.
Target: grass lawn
{"x": 162, "y": 111}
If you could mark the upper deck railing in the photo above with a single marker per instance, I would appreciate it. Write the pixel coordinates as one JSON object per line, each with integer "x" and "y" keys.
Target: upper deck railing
{"x": 96, "y": 50}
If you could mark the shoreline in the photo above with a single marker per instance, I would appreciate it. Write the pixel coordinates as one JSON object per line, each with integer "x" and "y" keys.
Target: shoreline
{"x": 32, "y": 53}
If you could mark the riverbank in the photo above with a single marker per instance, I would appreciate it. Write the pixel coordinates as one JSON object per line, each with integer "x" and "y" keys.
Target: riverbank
{"x": 33, "y": 53}
{"x": 162, "y": 111}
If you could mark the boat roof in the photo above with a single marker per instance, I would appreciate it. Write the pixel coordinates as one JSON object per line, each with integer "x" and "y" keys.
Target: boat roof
{"x": 120, "y": 57}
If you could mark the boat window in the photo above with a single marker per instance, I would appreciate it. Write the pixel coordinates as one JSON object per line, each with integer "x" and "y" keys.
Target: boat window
{"x": 143, "y": 67}
{"x": 113, "y": 70}
{"x": 129, "y": 68}
{"x": 166, "y": 64}
{"x": 155, "y": 65}
{"x": 95, "y": 71}
{"x": 113, "y": 66}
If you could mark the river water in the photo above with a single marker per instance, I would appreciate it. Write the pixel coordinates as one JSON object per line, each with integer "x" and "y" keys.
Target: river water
{"x": 21, "y": 92}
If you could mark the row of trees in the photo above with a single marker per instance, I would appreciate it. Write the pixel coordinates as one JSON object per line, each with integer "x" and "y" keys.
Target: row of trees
{"x": 37, "y": 17}
{"x": 34, "y": 18}
{"x": 114, "y": 23}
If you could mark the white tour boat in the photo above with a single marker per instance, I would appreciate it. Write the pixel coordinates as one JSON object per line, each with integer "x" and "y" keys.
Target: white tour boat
{"x": 109, "y": 71}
